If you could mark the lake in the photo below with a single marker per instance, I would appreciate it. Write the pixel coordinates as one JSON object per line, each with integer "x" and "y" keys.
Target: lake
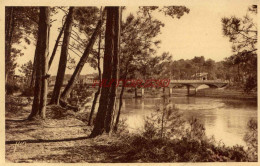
{"x": 225, "y": 119}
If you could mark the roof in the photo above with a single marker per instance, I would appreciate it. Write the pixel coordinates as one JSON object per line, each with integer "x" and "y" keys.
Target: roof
{"x": 200, "y": 74}
{"x": 68, "y": 76}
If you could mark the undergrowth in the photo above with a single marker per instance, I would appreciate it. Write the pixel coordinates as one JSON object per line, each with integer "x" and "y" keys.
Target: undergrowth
{"x": 166, "y": 137}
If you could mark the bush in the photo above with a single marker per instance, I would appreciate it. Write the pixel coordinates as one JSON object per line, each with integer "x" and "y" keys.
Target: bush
{"x": 251, "y": 84}
{"x": 28, "y": 92}
{"x": 164, "y": 122}
{"x": 80, "y": 94}
{"x": 14, "y": 105}
{"x": 11, "y": 88}
{"x": 195, "y": 130}
{"x": 122, "y": 127}
{"x": 251, "y": 139}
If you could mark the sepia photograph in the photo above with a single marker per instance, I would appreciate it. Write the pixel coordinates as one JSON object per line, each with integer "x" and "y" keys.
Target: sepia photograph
{"x": 131, "y": 84}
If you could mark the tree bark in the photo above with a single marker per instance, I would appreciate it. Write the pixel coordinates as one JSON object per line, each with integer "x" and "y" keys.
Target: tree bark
{"x": 9, "y": 24}
{"x": 37, "y": 86}
{"x": 57, "y": 44}
{"x": 34, "y": 69}
{"x": 63, "y": 59}
{"x": 104, "y": 115}
{"x": 44, "y": 68}
{"x": 51, "y": 58}
{"x": 40, "y": 88}
{"x": 115, "y": 72}
{"x": 136, "y": 93}
{"x": 120, "y": 101}
{"x": 81, "y": 62}
{"x": 99, "y": 77}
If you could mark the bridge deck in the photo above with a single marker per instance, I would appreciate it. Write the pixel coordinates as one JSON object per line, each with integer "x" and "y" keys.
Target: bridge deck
{"x": 198, "y": 81}
{"x": 179, "y": 82}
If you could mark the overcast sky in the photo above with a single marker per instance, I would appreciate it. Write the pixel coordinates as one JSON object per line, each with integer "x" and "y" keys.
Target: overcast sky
{"x": 198, "y": 33}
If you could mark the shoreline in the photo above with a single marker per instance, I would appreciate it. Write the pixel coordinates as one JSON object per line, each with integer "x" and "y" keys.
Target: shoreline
{"x": 212, "y": 93}
{"x": 226, "y": 93}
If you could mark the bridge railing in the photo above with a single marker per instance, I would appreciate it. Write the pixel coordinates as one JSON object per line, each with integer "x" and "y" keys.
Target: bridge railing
{"x": 199, "y": 81}
{"x": 174, "y": 81}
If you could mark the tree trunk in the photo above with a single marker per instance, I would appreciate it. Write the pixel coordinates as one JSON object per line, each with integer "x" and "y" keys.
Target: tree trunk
{"x": 37, "y": 86}
{"x": 115, "y": 72}
{"x": 120, "y": 102}
{"x": 33, "y": 76}
{"x": 99, "y": 77}
{"x": 9, "y": 24}
{"x": 40, "y": 88}
{"x": 51, "y": 58}
{"x": 110, "y": 63}
{"x": 63, "y": 59}
{"x": 57, "y": 44}
{"x": 136, "y": 92}
{"x": 93, "y": 106}
{"x": 44, "y": 68}
{"x": 238, "y": 72}
{"x": 81, "y": 62}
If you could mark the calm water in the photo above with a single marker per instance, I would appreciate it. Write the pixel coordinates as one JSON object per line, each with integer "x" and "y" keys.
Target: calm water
{"x": 225, "y": 119}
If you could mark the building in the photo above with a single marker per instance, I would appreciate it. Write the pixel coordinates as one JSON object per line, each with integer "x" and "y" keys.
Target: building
{"x": 88, "y": 78}
{"x": 200, "y": 76}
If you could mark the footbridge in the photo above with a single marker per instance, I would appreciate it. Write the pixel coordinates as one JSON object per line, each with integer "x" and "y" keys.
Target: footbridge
{"x": 188, "y": 83}
{"x": 196, "y": 83}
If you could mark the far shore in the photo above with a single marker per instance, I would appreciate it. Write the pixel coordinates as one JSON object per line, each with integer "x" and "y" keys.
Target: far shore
{"x": 207, "y": 92}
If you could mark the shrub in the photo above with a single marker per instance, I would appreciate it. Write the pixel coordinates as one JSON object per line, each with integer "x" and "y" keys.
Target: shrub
{"x": 28, "y": 92}
{"x": 164, "y": 122}
{"x": 195, "y": 130}
{"x": 14, "y": 105}
{"x": 251, "y": 139}
{"x": 79, "y": 96}
{"x": 251, "y": 83}
{"x": 11, "y": 88}
{"x": 122, "y": 127}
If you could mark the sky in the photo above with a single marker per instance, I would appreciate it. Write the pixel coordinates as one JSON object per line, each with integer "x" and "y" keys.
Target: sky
{"x": 198, "y": 33}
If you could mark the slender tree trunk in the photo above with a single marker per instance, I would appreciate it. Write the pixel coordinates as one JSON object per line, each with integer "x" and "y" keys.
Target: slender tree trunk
{"x": 238, "y": 72}
{"x": 33, "y": 76}
{"x": 110, "y": 62}
{"x": 93, "y": 106}
{"x": 9, "y": 24}
{"x": 40, "y": 88}
{"x": 44, "y": 68}
{"x": 81, "y": 62}
{"x": 99, "y": 77}
{"x": 37, "y": 86}
{"x": 63, "y": 59}
{"x": 57, "y": 44}
{"x": 120, "y": 101}
{"x": 136, "y": 92}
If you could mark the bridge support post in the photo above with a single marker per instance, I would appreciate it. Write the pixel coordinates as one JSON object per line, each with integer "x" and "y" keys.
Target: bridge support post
{"x": 142, "y": 92}
{"x": 135, "y": 92}
{"x": 196, "y": 91}
{"x": 188, "y": 90}
{"x": 170, "y": 91}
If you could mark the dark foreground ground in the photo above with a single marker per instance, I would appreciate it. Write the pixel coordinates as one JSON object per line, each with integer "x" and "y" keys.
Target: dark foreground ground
{"x": 59, "y": 138}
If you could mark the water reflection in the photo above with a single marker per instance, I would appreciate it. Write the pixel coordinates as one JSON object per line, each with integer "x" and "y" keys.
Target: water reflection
{"x": 226, "y": 119}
